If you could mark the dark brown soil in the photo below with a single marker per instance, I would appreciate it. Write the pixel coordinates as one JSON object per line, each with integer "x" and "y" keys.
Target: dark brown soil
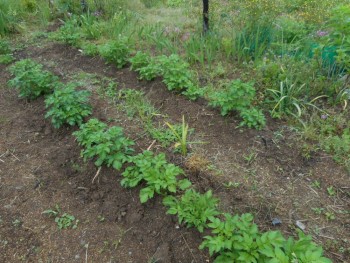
{"x": 40, "y": 167}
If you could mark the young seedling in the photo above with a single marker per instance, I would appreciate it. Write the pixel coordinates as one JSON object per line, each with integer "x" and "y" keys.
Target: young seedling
{"x": 181, "y": 137}
{"x": 63, "y": 220}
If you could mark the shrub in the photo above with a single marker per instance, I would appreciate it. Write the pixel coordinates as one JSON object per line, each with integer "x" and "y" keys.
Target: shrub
{"x": 4, "y": 47}
{"x": 151, "y": 71}
{"x": 145, "y": 65}
{"x": 140, "y": 60}
{"x": 339, "y": 37}
{"x": 160, "y": 176}
{"x": 175, "y": 72}
{"x": 66, "y": 105}
{"x": 236, "y": 96}
{"x": 31, "y": 80}
{"x": 116, "y": 52}
{"x": 253, "y": 118}
{"x": 69, "y": 33}
{"x": 108, "y": 145}
{"x": 193, "y": 208}
{"x": 9, "y": 18}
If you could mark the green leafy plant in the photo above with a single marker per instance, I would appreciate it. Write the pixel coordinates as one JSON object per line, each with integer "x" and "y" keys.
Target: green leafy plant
{"x": 164, "y": 135}
{"x": 108, "y": 145}
{"x": 193, "y": 208}
{"x": 4, "y": 47}
{"x": 90, "y": 27}
{"x": 5, "y": 52}
{"x": 237, "y": 239}
{"x": 70, "y": 33}
{"x": 63, "y": 220}
{"x": 175, "y": 72}
{"x": 339, "y": 36}
{"x": 237, "y": 95}
{"x": 331, "y": 191}
{"x": 150, "y": 71}
{"x": 116, "y": 52}
{"x": 140, "y": 60}
{"x": 253, "y": 118}
{"x": 159, "y": 175}
{"x": 317, "y": 210}
{"x": 89, "y": 49}
{"x": 31, "y": 80}
{"x": 339, "y": 146}
{"x": 6, "y": 59}
{"x": 181, "y": 136}
{"x": 67, "y": 105}
{"x": 193, "y": 92}
{"x": 290, "y": 99}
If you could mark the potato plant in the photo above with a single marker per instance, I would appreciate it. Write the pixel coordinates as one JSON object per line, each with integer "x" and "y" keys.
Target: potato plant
{"x": 159, "y": 175}
{"x": 193, "y": 208}
{"x": 66, "y": 105}
{"x": 237, "y": 239}
{"x": 116, "y": 52}
{"x": 108, "y": 146}
{"x": 31, "y": 80}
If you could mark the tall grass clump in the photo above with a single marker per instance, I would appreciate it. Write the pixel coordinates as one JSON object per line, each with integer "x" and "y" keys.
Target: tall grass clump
{"x": 10, "y": 12}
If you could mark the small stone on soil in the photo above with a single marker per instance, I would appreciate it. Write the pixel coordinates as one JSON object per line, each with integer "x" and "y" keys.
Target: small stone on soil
{"x": 276, "y": 222}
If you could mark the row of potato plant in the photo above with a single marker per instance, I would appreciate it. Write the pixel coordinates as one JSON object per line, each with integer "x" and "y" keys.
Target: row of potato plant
{"x": 234, "y": 238}
{"x": 175, "y": 72}
{"x": 64, "y": 103}
{"x": 236, "y": 96}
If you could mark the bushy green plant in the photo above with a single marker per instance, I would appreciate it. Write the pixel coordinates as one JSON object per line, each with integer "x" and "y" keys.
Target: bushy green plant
{"x": 339, "y": 36}
{"x": 290, "y": 99}
{"x": 159, "y": 175}
{"x": 151, "y": 71}
{"x": 140, "y": 60}
{"x": 116, "y": 52}
{"x": 90, "y": 26}
{"x": 31, "y": 80}
{"x": 147, "y": 67}
{"x": 339, "y": 146}
{"x": 9, "y": 16}
{"x": 237, "y": 95}
{"x": 108, "y": 145}
{"x": 237, "y": 239}
{"x": 4, "y": 47}
{"x": 193, "y": 208}
{"x": 253, "y": 118}
{"x": 175, "y": 72}
{"x": 193, "y": 92}
{"x": 164, "y": 135}
{"x": 89, "y": 49}
{"x": 6, "y": 59}
{"x": 69, "y": 33}
{"x": 67, "y": 105}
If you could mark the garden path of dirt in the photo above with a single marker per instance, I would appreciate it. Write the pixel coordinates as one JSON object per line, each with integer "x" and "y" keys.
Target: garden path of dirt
{"x": 40, "y": 167}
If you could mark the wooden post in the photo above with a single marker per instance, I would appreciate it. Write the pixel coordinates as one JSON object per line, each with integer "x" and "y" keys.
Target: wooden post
{"x": 205, "y": 16}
